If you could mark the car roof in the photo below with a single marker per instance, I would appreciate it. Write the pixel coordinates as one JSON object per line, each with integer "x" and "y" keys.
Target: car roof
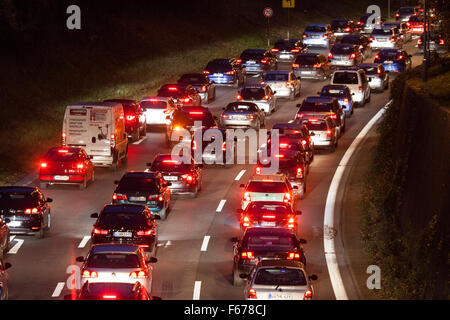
{"x": 17, "y": 189}
{"x": 140, "y": 174}
{"x": 256, "y": 85}
{"x": 124, "y": 208}
{"x": 114, "y": 247}
{"x": 280, "y": 263}
{"x": 278, "y": 72}
{"x": 95, "y": 104}
{"x": 243, "y": 103}
{"x": 347, "y": 69}
{"x": 287, "y": 125}
{"x": 309, "y": 54}
{"x": 194, "y": 108}
{"x": 273, "y": 177}
{"x": 266, "y": 231}
{"x": 319, "y": 99}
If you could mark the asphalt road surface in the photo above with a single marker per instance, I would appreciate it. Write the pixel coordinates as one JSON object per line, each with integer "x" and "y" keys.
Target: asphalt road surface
{"x": 39, "y": 266}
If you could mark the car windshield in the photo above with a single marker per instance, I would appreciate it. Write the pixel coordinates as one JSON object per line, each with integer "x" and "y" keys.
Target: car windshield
{"x": 154, "y": 104}
{"x": 371, "y": 70}
{"x": 18, "y": 200}
{"x": 263, "y": 208}
{"x": 286, "y": 161}
{"x": 306, "y": 60}
{"x": 241, "y": 107}
{"x": 267, "y": 187}
{"x": 168, "y": 165}
{"x": 215, "y": 66}
{"x": 334, "y": 92}
{"x": 138, "y": 184}
{"x": 284, "y": 46}
{"x": 269, "y": 242}
{"x": 315, "y": 29}
{"x": 406, "y": 10}
{"x": 276, "y": 77}
{"x": 351, "y": 40}
{"x": 345, "y": 78}
{"x": 386, "y": 55}
{"x": 316, "y": 125}
{"x": 342, "y": 49}
{"x": 253, "y": 93}
{"x": 62, "y": 155}
{"x": 252, "y": 56}
{"x": 113, "y": 261}
{"x": 280, "y": 276}
{"x": 316, "y": 107}
{"x": 191, "y": 79}
{"x": 172, "y": 91}
{"x": 113, "y": 220}
{"x": 385, "y": 32}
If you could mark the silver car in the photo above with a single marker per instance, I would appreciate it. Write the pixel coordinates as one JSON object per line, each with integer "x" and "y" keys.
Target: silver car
{"x": 260, "y": 94}
{"x": 378, "y": 77}
{"x": 404, "y": 29}
{"x": 278, "y": 280}
{"x": 158, "y": 110}
{"x": 4, "y": 279}
{"x": 284, "y": 83}
{"x": 243, "y": 114}
{"x": 385, "y": 38}
{"x": 122, "y": 263}
{"x": 318, "y": 34}
{"x": 345, "y": 55}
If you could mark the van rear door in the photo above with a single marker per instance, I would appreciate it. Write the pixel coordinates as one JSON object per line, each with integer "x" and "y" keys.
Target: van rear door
{"x": 76, "y": 126}
{"x": 100, "y": 130}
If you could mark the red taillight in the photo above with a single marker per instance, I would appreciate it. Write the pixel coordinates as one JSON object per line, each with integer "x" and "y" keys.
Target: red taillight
{"x": 275, "y": 50}
{"x": 258, "y": 170}
{"x": 194, "y": 145}
{"x": 138, "y": 275}
{"x": 90, "y": 274}
{"x": 441, "y": 42}
{"x": 308, "y": 295}
{"x": 188, "y": 178}
{"x": 360, "y": 89}
{"x": 397, "y": 15}
{"x": 156, "y": 198}
{"x": 377, "y": 57}
{"x": 284, "y": 145}
{"x": 148, "y": 232}
{"x": 293, "y": 256}
{"x": 419, "y": 41}
{"x": 43, "y": 164}
{"x": 109, "y": 297}
{"x": 230, "y": 72}
{"x": 247, "y": 255}
{"x": 330, "y": 55}
{"x": 304, "y": 36}
{"x": 345, "y": 100}
{"x": 251, "y": 294}
{"x": 269, "y": 217}
{"x": 80, "y": 166}
{"x": 171, "y": 161}
{"x": 245, "y": 221}
{"x": 379, "y": 71}
{"x": 347, "y": 29}
{"x": 100, "y": 231}
{"x": 264, "y": 61}
{"x": 131, "y": 117}
{"x": 299, "y": 115}
{"x": 313, "y": 120}
{"x": 353, "y": 56}
{"x": 266, "y": 97}
{"x": 329, "y": 132}
{"x": 63, "y": 151}
{"x": 206, "y": 72}
{"x": 195, "y": 113}
{"x": 333, "y": 116}
{"x": 30, "y": 211}
{"x": 287, "y": 197}
{"x": 325, "y": 36}
{"x": 295, "y": 65}
{"x": 173, "y": 89}
{"x": 238, "y": 97}
{"x": 203, "y": 88}
{"x": 299, "y": 172}
{"x": 303, "y": 142}
{"x": 187, "y": 100}
{"x": 408, "y": 24}
{"x": 239, "y": 60}
{"x": 400, "y": 57}
{"x": 392, "y": 39}
{"x": 317, "y": 65}
{"x": 295, "y": 50}
{"x": 224, "y": 146}
{"x": 279, "y": 156}
{"x": 118, "y": 196}
{"x": 247, "y": 197}
{"x": 371, "y": 38}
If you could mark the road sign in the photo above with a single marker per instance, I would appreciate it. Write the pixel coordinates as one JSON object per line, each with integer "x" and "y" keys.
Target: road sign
{"x": 288, "y": 3}
{"x": 268, "y": 12}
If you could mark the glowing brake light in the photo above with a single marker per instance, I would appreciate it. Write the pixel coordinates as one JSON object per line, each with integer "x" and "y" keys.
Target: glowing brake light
{"x": 287, "y": 197}
{"x": 238, "y": 97}
{"x": 239, "y": 60}
{"x": 371, "y": 38}
{"x": 279, "y": 156}
{"x": 138, "y": 275}
{"x": 246, "y": 221}
{"x": 131, "y": 118}
{"x": 156, "y": 198}
{"x": 171, "y": 161}
{"x": 109, "y": 297}
{"x": 203, "y": 88}
{"x": 317, "y": 65}
{"x": 195, "y": 113}
{"x": 118, "y": 196}
{"x": 173, "y": 89}
{"x": 291, "y": 223}
{"x": 345, "y": 100}
{"x": 400, "y": 57}
{"x": 330, "y": 55}
{"x": 299, "y": 172}
{"x": 360, "y": 89}
{"x": 377, "y": 57}
{"x": 264, "y": 61}
{"x": 299, "y": 115}
{"x": 329, "y": 132}
{"x": 247, "y": 197}
{"x": 347, "y": 29}
{"x": 247, "y": 255}
{"x": 333, "y": 116}
{"x": 224, "y": 146}
{"x": 307, "y": 295}
{"x": 304, "y": 36}
{"x": 100, "y": 231}
{"x": 268, "y": 217}
{"x": 63, "y": 151}
{"x": 266, "y": 97}
{"x": 90, "y": 274}
{"x": 419, "y": 41}
{"x": 284, "y": 145}
{"x": 275, "y": 50}
{"x": 187, "y": 100}
{"x": 304, "y": 142}
{"x": 194, "y": 145}
{"x": 29, "y": 211}
{"x": 295, "y": 65}
{"x": 230, "y": 72}
{"x": 295, "y": 50}
{"x": 293, "y": 256}
{"x": 325, "y": 36}
{"x": 251, "y": 294}
{"x": 397, "y": 15}
{"x": 80, "y": 166}
{"x": 353, "y": 56}
{"x": 188, "y": 177}
{"x": 258, "y": 170}
{"x": 148, "y": 232}
{"x": 441, "y": 42}
{"x": 43, "y": 165}
{"x": 206, "y": 72}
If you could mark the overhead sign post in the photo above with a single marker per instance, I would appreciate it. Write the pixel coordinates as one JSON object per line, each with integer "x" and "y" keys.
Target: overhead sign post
{"x": 288, "y": 4}
{"x": 268, "y": 13}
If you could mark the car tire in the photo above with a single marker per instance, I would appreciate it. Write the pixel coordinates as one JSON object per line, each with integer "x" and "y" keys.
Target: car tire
{"x": 83, "y": 185}
{"x": 332, "y": 148}
{"x": 237, "y": 281}
{"x": 135, "y": 136}
{"x": 292, "y": 96}
{"x": 40, "y": 233}
{"x": 152, "y": 253}
{"x": 193, "y": 194}
{"x": 303, "y": 193}
{"x": 163, "y": 214}
{"x": 43, "y": 185}
{"x": 144, "y": 131}
{"x": 93, "y": 177}
{"x": 236, "y": 83}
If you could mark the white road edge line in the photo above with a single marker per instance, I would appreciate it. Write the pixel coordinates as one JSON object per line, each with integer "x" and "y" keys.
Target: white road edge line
{"x": 16, "y": 247}
{"x": 11, "y": 238}
{"x": 58, "y": 289}
{"x": 328, "y": 220}
{"x": 239, "y": 176}
{"x": 84, "y": 241}
{"x": 197, "y": 287}
{"x": 221, "y": 204}
{"x": 140, "y": 141}
{"x": 205, "y": 243}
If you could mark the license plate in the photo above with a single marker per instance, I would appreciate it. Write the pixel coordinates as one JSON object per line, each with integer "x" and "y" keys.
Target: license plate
{"x": 284, "y": 56}
{"x": 171, "y": 178}
{"x": 268, "y": 224}
{"x": 306, "y": 72}
{"x": 137, "y": 199}
{"x": 280, "y": 296}
{"x": 251, "y": 62}
{"x": 389, "y": 62}
{"x": 123, "y": 234}
{"x": 15, "y": 224}
{"x": 315, "y": 37}
{"x": 218, "y": 75}
{"x": 251, "y": 69}
{"x": 381, "y": 40}
{"x": 61, "y": 178}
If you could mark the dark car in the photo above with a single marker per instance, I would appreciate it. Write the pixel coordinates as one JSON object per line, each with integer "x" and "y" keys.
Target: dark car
{"x": 199, "y": 81}
{"x": 4, "y": 238}
{"x": 342, "y": 27}
{"x": 436, "y": 42}
{"x": 361, "y": 41}
{"x": 4, "y": 279}
{"x": 225, "y": 71}
{"x": 377, "y": 75}
{"x": 342, "y": 94}
{"x": 263, "y": 214}
{"x": 135, "y": 118}
{"x": 184, "y": 177}
{"x": 185, "y": 118}
{"x": 205, "y": 152}
{"x": 145, "y": 188}
{"x": 112, "y": 291}
{"x": 311, "y": 65}
{"x": 404, "y": 13}
{"x": 323, "y": 132}
{"x": 264, "y": 243}
{"x": 183, "y": 94}
{"x": 25, "y": 209}
{"x": 66, "y": 166}
{"x": 126, "y": 224}
{"x": 300, "y": 132}
{"x": 394, "y": 60}
{"x": 322, "y": 107}
{"x": 257, "y": 61}
{"x": 286, "y": 50}
{"x": 345, "y": 55}
{"x": 291, "y": 162}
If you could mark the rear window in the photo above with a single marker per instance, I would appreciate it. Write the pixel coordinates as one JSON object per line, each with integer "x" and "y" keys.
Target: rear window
{"x": 316, "y": 126}
{"x": 113, "y": 261}
{"x": 276, "y": 77}
{"x": 263, "y": 208}
{"x": 267, "y": 187}
{"x": 129, "y": 108}
{"x": 154, "y": 104}
{"x": 316, "y": 107}
{"x": 18, "y": 200}
{"x": 415, "y": 19}
{"x": 306, "y": 60}
{"x": 222, "y": 66}
{"x": 172, "y": 91}
{"x": 241, "y": 107}
{"x": 188, "y": 119}
{"x": 252, "y": 56}
{"x": 342, "y": 49}
{"x": 287, "y": 161}
{"x": 332, "y": 92}
{"x": 78, "y": 112}
{"x": 406, "y": 10}
{"x": 345, "y": 78}
{"x": 280, "y": 276}
{"x": 113, "y": 220}
{"x": 191, "y": 79}
{"x": 385, "y": 32}
{"x": 269, "y": 242}
{"x": 138, "y": 184}
{"x": 315, "y": 29}
{"x": 253, "y": 93}
{"x": 284, "y": 46}
{"x": 170, "y": 166}
{"x": 62, "y": 155}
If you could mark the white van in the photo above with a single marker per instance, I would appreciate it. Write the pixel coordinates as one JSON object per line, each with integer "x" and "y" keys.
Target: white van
{"x": 356, "y": 80}
{"x": 99, "y": 128}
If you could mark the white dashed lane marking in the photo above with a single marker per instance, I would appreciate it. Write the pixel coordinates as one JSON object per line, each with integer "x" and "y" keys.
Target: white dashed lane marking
{"x": 205, "y": 243}
{"x": 58, "y": 289}
{"x": 16, "y": 247}
{"x": 84, "y": 241}
{"x": 221, "y": 204}
{"x": 239, "y": 176}
{"x": 197, "y": 287}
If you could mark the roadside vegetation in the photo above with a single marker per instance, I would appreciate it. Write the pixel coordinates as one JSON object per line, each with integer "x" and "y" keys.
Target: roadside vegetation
{"x": 126, "y": 49}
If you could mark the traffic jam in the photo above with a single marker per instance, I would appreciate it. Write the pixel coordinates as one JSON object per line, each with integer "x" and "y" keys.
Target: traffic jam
{"x": 117, "y": 213}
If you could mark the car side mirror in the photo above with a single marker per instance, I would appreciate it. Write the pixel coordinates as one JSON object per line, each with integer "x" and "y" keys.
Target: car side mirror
{"x": 116, "y": 181}
{"x": 242, "y": 185}
{"x": 370, "y": 79}
{"x": 244, "y": 276}
{"x": 157, "y": 217}
{"x": 234, "y": 239}
{"x": 313, "y": 277}
{"x": 151, "y": 260}
{"x": 298, "y": 105}
{"x": 295, "y": 187}
{"x": 298, "y": 212}
{"x": 302, "y": 241}
{"x": 239, "y": 210}
{"x": 79, "y": 259}
{"x": 49, "y": 200}
{"x": 156, "y": 298}
{"x": 274, "y": 92}
{"x": 7, "y": 266}
{"x": 94, "y": 215}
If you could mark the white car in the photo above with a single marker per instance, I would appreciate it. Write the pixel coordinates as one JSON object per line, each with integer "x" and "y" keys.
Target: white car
{"x": 260, "y": 94}
{"x": 278, "y": 280}
{"x": 356, "y": 80}
{"x": 117, "y": 263}
{"x": 284, "y": 83}
{"x": 158, "y": 110}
